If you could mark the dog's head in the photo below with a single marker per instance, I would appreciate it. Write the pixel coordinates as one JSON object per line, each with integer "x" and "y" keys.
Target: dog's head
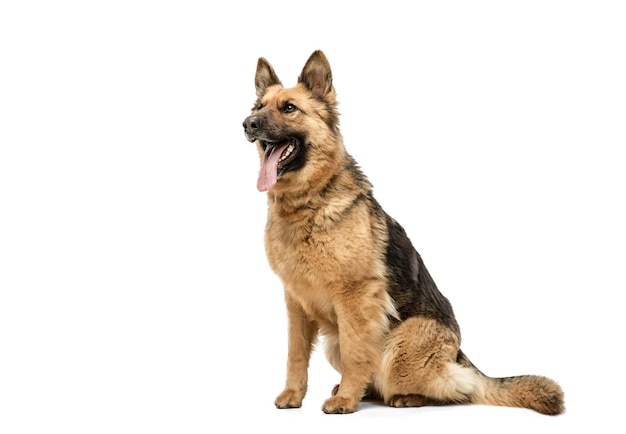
{"x": 295, "y": 129}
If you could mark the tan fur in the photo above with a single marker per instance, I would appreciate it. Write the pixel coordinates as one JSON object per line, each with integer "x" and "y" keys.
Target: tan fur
{"x": 327, "y": 239}
{"x": 420, "y": 359}
{"x": 334, "y": 277}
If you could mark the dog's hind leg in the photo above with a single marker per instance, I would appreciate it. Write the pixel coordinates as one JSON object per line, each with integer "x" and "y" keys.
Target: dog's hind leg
{"x": 419, "y": 367}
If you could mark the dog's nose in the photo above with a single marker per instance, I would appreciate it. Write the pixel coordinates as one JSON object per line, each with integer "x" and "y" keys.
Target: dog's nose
{"x": 251, "y": 124}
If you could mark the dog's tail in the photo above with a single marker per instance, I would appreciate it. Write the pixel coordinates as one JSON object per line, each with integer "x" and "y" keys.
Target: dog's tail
{"x": 529, "y": 391}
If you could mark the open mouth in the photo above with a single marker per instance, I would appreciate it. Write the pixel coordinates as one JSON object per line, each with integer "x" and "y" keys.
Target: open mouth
{"x": 276, "y": 161}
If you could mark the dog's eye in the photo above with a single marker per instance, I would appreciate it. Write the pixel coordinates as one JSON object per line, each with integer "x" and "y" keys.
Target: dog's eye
{"x": 289, "y": 108}
{"x": 259, "y": 106}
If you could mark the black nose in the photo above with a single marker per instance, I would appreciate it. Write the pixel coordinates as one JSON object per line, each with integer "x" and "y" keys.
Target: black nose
{"x": 252, "y": 123}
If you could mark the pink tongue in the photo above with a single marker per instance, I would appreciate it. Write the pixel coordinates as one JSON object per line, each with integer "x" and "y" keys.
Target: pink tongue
{"x": 269, "y": 167}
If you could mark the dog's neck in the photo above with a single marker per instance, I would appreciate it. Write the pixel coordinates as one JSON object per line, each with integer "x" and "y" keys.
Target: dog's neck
{"x": 322, "y": 202}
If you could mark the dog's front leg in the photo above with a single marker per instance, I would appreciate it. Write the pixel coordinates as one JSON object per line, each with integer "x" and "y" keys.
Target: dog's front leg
{"x": 302, "y": 335}
{"x": 362, "y": 322}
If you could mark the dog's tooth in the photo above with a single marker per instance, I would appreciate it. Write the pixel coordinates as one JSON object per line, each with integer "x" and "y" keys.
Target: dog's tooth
{"x": 287, "y": 153}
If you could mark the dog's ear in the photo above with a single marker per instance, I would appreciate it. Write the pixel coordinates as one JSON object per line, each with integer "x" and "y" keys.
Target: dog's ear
{"x": 316, "y": 74}
{"x": 265, "y": 77}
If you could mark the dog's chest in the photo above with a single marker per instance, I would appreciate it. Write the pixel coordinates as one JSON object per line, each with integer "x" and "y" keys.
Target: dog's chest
{"x": 304, "y": 253}
{"x": 321, "y": 256}
{"x": 317, "y": 250}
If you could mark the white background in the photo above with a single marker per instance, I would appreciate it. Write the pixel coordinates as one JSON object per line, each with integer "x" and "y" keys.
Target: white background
{"x": 134, "y": 291}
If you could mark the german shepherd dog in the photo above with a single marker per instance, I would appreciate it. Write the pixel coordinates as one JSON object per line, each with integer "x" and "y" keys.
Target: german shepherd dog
{"x": 351, "y": 274}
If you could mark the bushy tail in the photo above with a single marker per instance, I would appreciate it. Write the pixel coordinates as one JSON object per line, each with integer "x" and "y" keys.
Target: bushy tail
{"x": 529, "y": 391}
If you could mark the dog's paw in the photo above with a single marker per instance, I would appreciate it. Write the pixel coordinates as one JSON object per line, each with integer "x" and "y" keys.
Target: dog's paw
{"x": 411, "y": 400}
{"x": 289, "y": 398}
{"x": 340, "y": 405}
{"x": 406, "y": 401}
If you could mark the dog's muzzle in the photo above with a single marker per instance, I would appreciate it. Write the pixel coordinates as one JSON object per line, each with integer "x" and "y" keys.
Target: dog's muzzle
{"x": 251, "y": 127}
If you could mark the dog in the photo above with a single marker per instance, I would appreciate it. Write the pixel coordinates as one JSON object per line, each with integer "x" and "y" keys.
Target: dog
{"x": 350, "y": 272}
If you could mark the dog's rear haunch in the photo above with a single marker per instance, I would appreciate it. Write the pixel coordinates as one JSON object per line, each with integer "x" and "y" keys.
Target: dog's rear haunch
{"x": 351, "y": 274}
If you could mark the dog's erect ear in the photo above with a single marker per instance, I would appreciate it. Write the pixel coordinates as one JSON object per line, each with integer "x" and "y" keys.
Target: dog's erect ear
{"x": 316, "y": 74}
{"x": 265, "y": 77}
